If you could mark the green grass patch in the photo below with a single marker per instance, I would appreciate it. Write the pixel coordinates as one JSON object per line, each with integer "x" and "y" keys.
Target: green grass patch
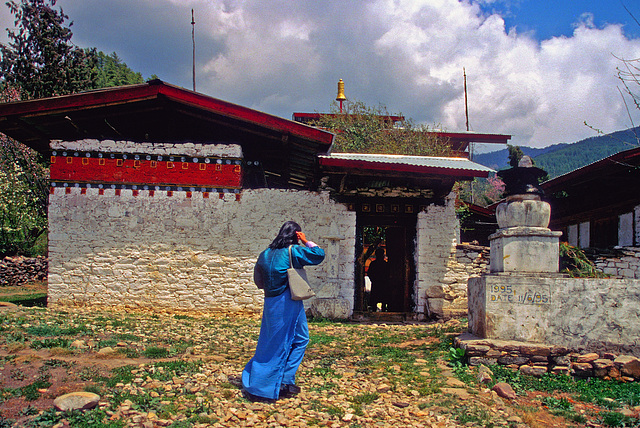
{"x": 366, "y": 398}
{"x": 471, "y": 414}
{"x": 319, "y": 338}
{"x": 30, "y": 299}
{"x": 58, "y": 342}
{"x": 95, "y": 418}
{"x": 604, "y": 393}
{"x": 615, "y": 419}
{"x": 155, "y": 352}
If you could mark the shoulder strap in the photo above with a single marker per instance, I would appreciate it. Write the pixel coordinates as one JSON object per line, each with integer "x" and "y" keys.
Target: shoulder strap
{"x": 290, "y": 260}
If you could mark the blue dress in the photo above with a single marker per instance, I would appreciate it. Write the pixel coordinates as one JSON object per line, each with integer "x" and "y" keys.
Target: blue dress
{"x": 284, "y": 334}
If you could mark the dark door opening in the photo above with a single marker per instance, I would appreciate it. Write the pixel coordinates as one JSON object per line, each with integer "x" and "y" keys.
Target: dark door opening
{"x": 386, "y": 284}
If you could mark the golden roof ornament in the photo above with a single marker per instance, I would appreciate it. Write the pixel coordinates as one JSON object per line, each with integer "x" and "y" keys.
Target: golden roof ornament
{"x": 340, "y": 98}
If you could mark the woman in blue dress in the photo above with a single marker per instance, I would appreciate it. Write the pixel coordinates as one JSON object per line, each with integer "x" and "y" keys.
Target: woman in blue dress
{"x": 284, "y": 333}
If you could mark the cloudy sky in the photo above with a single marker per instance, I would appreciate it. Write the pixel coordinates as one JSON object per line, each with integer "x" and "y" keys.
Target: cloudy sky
{"x": 535, "y": 72}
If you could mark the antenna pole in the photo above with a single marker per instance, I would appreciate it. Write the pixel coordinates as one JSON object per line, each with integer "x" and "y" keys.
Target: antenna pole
{"x": 466, "y": 105}
{"x": 193, "y": 42}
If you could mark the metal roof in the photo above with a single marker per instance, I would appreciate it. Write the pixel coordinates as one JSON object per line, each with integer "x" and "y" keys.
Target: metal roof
{"x": 410, "y": 164}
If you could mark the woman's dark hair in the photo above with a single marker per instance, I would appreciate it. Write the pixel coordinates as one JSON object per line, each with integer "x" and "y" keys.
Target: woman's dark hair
{"x": 287, "y": 235}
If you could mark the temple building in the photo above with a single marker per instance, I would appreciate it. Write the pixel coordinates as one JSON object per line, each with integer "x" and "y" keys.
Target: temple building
{"x": 163, "y": 198}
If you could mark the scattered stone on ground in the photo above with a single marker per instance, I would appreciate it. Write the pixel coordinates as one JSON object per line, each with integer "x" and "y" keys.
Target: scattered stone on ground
{"x": 352, "y": 374}
{"x": 76, "y": 401}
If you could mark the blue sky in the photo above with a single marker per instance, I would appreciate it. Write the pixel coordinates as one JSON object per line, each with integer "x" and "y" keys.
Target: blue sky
{"x": 536, "y": 70}
{"x": 558, "y": 18}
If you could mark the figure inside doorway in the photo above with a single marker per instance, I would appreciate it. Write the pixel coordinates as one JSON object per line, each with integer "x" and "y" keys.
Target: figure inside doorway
{"x": 378, "y": 273}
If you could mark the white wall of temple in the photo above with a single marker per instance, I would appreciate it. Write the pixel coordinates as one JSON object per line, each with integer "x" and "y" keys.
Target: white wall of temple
{"x": 437, "y": 290}
{"x": 183, "y": 250}
{"x": 185, "y": 253}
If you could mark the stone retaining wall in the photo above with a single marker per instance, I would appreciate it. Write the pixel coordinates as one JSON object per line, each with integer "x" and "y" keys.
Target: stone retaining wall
{"x": 582, "y": 314}
{"x": 623, "y": 262}
{"x": 536, "y": 359}
{"x": 446, "y": 294}
{"x": 15, "y": 271}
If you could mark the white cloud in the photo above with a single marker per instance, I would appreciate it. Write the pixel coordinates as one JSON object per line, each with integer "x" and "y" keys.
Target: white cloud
{"x": 282, "y": 56}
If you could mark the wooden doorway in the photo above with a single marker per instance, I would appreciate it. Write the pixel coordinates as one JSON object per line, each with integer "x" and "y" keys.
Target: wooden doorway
{"x": 395, "y": 236}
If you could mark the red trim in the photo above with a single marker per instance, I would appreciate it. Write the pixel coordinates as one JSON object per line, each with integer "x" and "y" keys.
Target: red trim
{"x": 474, "y": 138}
{"x": 380, "y": 166}
{"x": 142, "y": 172}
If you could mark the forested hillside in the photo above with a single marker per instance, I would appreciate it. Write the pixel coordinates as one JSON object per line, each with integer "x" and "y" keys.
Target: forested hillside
{"x": 562, "y": 158}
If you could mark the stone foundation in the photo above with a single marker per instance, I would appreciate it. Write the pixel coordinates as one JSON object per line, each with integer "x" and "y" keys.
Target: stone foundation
{"x": 537, "y": 358}
{"x": 583, "y": 314}
{"x": 15, "y": 271}
{"x": 623, "y": 262}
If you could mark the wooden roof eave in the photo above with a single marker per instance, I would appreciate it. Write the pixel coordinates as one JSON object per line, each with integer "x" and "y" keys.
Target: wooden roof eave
{"x": 243, "y": 116}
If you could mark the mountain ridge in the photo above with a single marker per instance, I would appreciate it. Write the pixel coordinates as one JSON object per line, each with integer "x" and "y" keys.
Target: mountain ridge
{"x": 561, "y": 158}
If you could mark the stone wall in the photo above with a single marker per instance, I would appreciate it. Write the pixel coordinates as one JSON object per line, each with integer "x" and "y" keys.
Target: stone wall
{"x": 185, "y": 249}
{"x": 619, "y": 263}
{"x": 15, "y": 271}
{"x": 536, "y": 359}
{"x": 179, "y": 252}
{"x": 582, "y": 314}
{"x": 442, "y": 266}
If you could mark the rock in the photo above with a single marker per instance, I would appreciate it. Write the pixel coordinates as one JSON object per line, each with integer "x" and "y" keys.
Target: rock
{"x": 383, "y": 388}
{"x": 401, "y": 404}
{"x": 459, "y": 392}
{"x": 504, "y": 390}
{"x": 455, "y": 383}
{"x": 587, "y": 358}
{"x": 614, "y": 372}
{"x": 533, "y": 370}
{"x": 476, "y": 361}
{"x": 106, "y": 351}
{"x": 561, "y": 370}
{"x": 347, "y": 417}
{"x": 582, "y": 369}
{"x": 535, "y": 349}
{"x": 628, "y": 412}
{"x": 8, "y": 305}
{"x": 602, "y": 364}
{"x": 485, "y": 375}
{"x": 78, "y": 344}
{"x": 76, "y": 401}
{"x": 628, "y": 365}
{"x": 513, "y": 359}
{"x": 562, "y": 360}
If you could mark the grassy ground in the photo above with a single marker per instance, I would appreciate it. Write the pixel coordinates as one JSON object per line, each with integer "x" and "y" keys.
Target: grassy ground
{"x": 181, "y": 371}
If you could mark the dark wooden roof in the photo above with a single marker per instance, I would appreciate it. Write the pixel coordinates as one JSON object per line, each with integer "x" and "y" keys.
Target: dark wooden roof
{"x": 610, "y": 186}
{"x": 159, "y": 112}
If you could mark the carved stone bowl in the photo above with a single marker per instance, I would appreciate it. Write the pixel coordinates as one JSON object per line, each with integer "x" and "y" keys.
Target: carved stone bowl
{"x": 523, "y": 212}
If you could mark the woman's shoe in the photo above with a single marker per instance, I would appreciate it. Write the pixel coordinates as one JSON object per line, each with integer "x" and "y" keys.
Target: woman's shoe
{"x": 288, "y": 391}
{"x": 256, "y": 398}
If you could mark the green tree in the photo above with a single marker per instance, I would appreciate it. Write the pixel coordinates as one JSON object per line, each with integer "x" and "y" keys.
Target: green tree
{"x": 40, "y": 59}
{"x": 515, "y": 154}
{"x": 111, "y": 71}
{"x": 364, "y": 129}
